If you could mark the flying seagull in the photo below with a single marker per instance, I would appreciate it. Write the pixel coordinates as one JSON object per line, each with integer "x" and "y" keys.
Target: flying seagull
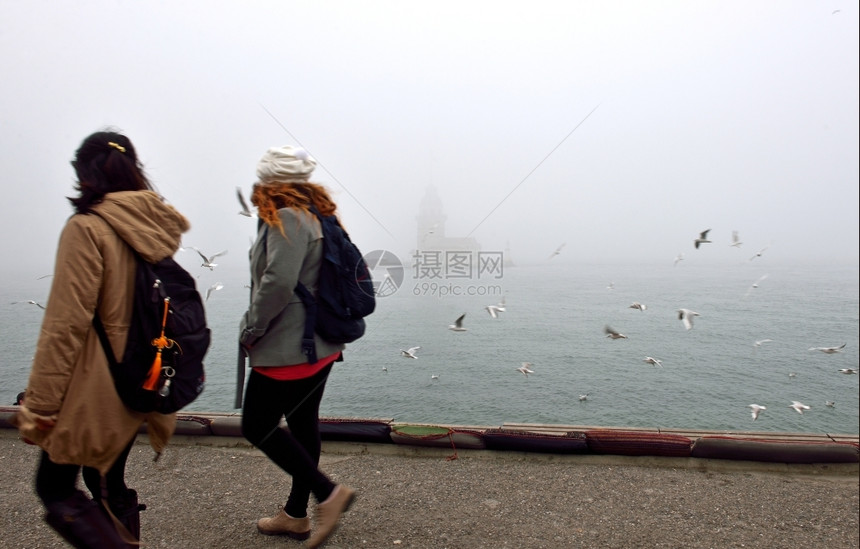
{"x": 215, "y": 287}
{"x": 703, "y": 238}
{"x": 246, "y": 211}
{"x": 686, "y": 316}
{"x": 736, "y": 242}
{"x": 828, "y": 350}
{"x": 557, "y": 251}
{"x": 756, "y": 410}
{"x": 654, "y": 361}
{"x": 31, "y": 302}
{"x": 458, "y": 324}
{"x": 613, "y": 334}
{"x": 758, "y": 253}
{"x": 755, "y": 284}
{"x": 583, "y": 398}
{"x": 848, "y": 371}
{"x": 526, "y": 369}
{"x": 760, "y": 342}
{"x": 799, "y": 406}
{"x": 679, "y": 257}
{"x": 637, "y": 305}
{"x": 409, "y": 353}
{"x": 208, "y": 261}
{"x": 494, "y": 310}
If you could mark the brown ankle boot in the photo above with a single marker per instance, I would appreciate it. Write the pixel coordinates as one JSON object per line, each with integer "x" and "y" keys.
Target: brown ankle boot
{"x": 283, "y": 524}
{"x": 329, "y": 512}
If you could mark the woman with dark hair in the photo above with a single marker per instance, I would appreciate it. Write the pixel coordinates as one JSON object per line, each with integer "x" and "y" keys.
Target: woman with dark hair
{"x": 282, "y": 383}
{"x": 71, "y": 408}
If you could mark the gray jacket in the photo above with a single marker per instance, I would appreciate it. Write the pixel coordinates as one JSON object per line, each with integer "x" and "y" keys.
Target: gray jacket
{"x": 275, "y": 320}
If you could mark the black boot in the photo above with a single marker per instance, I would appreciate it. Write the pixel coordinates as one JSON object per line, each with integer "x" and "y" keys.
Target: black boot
{"x": 126, "y": 508}
{"x": 82, "y": 523}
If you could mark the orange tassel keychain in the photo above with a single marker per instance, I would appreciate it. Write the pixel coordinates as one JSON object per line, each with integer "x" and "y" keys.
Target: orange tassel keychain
{"x": 160, "y": 343}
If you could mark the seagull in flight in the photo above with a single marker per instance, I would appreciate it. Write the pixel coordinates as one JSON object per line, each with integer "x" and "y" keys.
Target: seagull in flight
{"x": 494, "y": 310}
{"x": 458, "y": 324}
{"x": 557, "y": 251}
{"x": 583, "y": 398}
{"x": 686, "y": 316}
{"x": 637, "y": 305}
{"x": 828, "y": 350}
{"x": 703, "y": 238}
{"x": 654, "y": 361}
{"x": 679, "y": 257}
{"x": 848, "y": 371}
{"x": 799, "y": 406}
{"x": 434, "y": 377}
{"x": 208, "y": 261}
{"x": 246, "y": 211}
{"x": 755, "y": 284}
{"x": 526, "y": 369}
{"x": 758, "y": 253}
{"x": 756, "y": 410}
{"x": 760, "y": 342}
{"x": 736, "y": 242}
{"x": 613, "y": 334}
{"x": 409, "y": 353}
{"x": 830, "y": 404}
{"x": 213, "y": 288}
{"x": 31, "y": 302}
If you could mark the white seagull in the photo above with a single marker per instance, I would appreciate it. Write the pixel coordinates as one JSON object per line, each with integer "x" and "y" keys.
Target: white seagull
{"x": 760, "y": 342}
{"x": 458, "y": 324}
{"x": 637, "y": 305}
{"x": 208, "y": 261}
{"x": 679, "y": 257}
{"x": 31, "y": 302}
{"x": 613, "y": 333}
{"x": 736, "y": 242}
{"x": 755, "y": 284}
{"x": 583, "y": 398}
{"x": 215, "y": 287}
{"x": 830, "y": 404}
{"x": 409, "y": 353}
{"x": 434, "y": 377}
{"x": 758, "y": 253}
{"x": 703, "y": 238}
{"x": 799, "y": 406}
{"x": 686, "y": 316}
{"x": 848, "y": 371}
{"x": 246, "y": 211}
{"x": 756, "y": 410}
{"x": 828, "y": 350}
{"x": 494, "y": 310}
{"x": 557, "y": 251}
{"x": 654, "y": 361}
{"x": 526, "y": 369}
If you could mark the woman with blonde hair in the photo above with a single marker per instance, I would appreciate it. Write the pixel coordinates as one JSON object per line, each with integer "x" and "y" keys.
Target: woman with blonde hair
{"x": 282, "y": 382}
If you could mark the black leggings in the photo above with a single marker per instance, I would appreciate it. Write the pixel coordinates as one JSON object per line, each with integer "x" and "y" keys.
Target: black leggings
{"x": 297, "y": 450}
{"x": 56, "y": 482}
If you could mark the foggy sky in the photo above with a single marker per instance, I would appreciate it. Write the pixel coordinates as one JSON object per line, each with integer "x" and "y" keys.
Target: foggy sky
{"x": 728, "y": 115}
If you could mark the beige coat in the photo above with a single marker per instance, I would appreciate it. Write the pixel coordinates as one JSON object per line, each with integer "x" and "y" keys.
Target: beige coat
{"x": 70, "y": 378}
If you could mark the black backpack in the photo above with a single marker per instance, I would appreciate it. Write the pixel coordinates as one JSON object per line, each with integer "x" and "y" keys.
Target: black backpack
{"x": 162, "y": 367}
{"x": 345, "y": 293}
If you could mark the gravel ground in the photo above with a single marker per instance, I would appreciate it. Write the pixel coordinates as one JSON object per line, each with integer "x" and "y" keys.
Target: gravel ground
{"x": 204, "y": 494}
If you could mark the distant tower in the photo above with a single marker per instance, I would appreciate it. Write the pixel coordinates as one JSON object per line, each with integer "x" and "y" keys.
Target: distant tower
{"x": 431, "y": 220}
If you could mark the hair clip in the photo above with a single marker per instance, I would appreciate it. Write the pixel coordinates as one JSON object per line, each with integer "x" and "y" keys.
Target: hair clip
{"x": 116, "y": 146}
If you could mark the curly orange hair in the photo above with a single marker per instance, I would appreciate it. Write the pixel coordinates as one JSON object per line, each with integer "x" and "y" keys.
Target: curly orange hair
{"x": 271, "y": 197}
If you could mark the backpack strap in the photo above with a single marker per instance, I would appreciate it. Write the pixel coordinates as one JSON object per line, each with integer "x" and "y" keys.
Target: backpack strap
{"x": 100, "y": 330}
{"x": 308, "y": 345}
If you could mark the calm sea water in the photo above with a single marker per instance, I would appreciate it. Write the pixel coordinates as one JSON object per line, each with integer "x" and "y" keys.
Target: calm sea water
{"x": 555, "y": 318}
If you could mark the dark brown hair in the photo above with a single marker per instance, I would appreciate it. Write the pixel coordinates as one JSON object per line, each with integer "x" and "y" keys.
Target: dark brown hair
{"x": 106, "y": 162}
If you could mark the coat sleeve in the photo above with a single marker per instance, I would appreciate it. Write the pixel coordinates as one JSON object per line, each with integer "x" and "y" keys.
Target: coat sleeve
{"x": 284, "y": 257}
{"x": 78, "y": 273}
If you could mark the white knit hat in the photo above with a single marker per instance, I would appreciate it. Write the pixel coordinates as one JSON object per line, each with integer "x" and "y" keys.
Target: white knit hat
{"x": 285, "y": 165}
